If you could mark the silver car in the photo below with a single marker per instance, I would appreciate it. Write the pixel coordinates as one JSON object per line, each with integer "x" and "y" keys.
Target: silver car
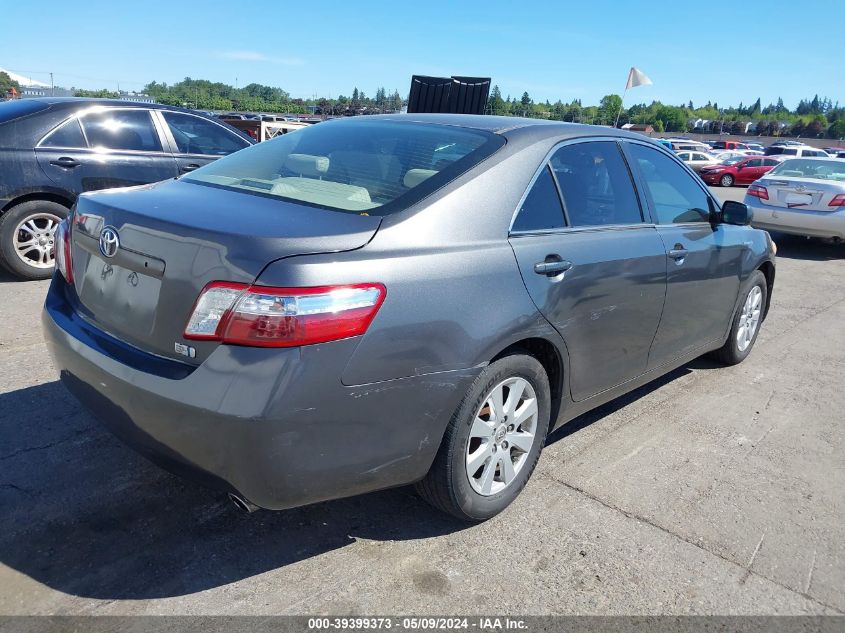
{"x": 801, "y": 196}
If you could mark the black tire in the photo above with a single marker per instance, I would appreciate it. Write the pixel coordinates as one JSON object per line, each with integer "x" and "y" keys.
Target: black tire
{"x": 730, "y": 353}
{"x": 447, "y": 486}
{"x": 10, "y": 220}
{"x": 726, "y": 181}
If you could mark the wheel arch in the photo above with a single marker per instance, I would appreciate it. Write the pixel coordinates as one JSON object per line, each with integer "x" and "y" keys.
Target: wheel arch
{"x": 768, "y": 270}
{"x": 51, "y": 196}
{"x": 551, "y": 358}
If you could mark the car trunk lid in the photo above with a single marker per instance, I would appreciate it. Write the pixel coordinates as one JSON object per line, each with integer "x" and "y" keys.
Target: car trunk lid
{"x": 174, "y": 238}
{"x": 800, "y": 194}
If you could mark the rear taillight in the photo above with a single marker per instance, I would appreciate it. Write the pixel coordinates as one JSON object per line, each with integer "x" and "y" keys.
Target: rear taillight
{"x": 282, "y": 317}
{"x": 758, "y": 191}
{"x": 837, "y": 201}
{"x": 61, "y": 244}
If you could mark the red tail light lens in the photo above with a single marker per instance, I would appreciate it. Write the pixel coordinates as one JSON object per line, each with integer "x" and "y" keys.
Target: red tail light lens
{"x": 282, "y": 317}
{"x": 61, "y": 245}
{"x": 837, "y": 201}
{"x": 758, "y": 191}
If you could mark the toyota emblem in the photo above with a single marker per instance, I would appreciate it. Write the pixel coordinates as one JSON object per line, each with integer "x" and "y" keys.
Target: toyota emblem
{"x": 109, "y": 241}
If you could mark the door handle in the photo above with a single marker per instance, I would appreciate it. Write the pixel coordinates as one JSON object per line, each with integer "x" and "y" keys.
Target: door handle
{"x": 678, "y": 253}
{"x": 552, "y": 266}
{"x": 65, "y": 161}
{"x": 189, "y": 167}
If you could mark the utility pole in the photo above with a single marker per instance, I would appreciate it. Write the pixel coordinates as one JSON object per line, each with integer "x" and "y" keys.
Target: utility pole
{"x": 51, "y": 86}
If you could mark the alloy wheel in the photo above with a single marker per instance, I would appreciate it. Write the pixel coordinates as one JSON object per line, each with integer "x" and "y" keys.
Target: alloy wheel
{"x": 502, "y": 435}
{"x": 34, "y": 240}
{"x": 749, "y": 318}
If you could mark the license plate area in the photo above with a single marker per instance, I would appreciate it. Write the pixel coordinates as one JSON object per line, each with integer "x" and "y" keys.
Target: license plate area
{"x": 122, "y": 300}
{"x": 798, "y": 200}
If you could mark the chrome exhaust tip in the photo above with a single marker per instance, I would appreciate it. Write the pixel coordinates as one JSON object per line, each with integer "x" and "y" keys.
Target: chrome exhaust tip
{"x": 243, "y": 504}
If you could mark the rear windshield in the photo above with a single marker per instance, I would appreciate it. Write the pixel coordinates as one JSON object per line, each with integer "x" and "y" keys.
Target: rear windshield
{"x": 357, "y": 165}
{"x": 17, "y": 108}
{"x": 821, "y": 169}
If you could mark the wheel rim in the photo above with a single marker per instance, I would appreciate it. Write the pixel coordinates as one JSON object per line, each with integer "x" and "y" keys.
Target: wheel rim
{"x": 727, "y": 181}
{"x": 34, "y": 238}
{"x": 502, "y": 435}
{"x": 749, "y": 319}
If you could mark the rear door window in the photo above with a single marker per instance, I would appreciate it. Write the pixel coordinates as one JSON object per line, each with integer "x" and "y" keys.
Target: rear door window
{"x": 130, "y": 130}
{"x": 68, "y": 134}
{"x": 595, "y": 184}
{"x": 674, "y": 195}
{"x": 195, "y": 135}
{"x": 541, "y": 210}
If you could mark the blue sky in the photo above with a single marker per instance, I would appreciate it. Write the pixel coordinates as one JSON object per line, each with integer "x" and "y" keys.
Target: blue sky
{"x": 552, "y": 49}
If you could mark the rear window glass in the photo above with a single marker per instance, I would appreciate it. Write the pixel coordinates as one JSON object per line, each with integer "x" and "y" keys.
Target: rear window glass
{"x": 366, "y": 166}
{"x": 820, "y": 169}
{"x": 17, "y": 108}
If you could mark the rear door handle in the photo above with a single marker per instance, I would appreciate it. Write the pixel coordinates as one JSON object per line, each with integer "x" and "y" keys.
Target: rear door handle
{"x": 189, "y": 167}
{"x": 552, "y": 267}
{"x": 678, "y": 253}
{"x": 65, "y": 161}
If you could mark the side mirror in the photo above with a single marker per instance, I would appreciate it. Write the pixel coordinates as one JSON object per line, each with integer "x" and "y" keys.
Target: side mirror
{"x": 734, "y": 212}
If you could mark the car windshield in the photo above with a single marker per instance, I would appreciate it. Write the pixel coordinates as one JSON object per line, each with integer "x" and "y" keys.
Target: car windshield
{"x": 819, "y": 169}
{"x": 733, "y": 160}
{"x": 372, "y": 166}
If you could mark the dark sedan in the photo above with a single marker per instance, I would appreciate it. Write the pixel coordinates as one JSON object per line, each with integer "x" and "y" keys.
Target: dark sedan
{"x": 379, "y": 301}
{"x": 52, "y": 150}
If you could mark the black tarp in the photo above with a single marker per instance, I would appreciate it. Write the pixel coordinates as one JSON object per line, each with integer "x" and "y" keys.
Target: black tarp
{"x": 458, "y": 95}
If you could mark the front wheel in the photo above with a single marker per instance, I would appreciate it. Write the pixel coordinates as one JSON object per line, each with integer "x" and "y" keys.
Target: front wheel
{"x": 727, "y": 180}
{"x": 746, "y": 323}
{"x": 493, "y": 441}
{"x": 27, "y": 236}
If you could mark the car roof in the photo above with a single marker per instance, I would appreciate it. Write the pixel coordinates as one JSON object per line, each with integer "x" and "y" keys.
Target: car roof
{"x": 510, "y": 126}
{"x": 84, "y": 101}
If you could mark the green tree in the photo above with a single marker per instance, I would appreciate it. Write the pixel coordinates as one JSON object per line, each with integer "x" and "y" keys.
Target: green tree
{"x": 837, "y": 130}
{"x": 610, "y": 107}
{"x": 6, "y": 83}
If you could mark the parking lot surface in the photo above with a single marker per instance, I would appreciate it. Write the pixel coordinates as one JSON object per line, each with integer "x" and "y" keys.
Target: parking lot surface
{"x": 712, "y": 491}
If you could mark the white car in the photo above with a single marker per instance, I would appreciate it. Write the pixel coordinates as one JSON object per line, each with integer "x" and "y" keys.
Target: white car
{"x": 795, "y": 151}
{"x": 728, "y": 155}
{"x": 801, "y": 196}
{"x": 697, "y": 160}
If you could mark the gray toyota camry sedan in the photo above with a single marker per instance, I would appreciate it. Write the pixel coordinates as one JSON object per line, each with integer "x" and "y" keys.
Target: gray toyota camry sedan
{"x": 381, "y": 301}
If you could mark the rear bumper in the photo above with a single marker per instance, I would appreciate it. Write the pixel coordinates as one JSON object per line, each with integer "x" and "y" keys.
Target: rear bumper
{"x": 275, "y": 426}
{"x": 824, "y": 224}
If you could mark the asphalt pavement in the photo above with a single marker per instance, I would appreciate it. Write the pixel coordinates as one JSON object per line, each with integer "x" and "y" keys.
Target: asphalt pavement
{"x": 711, "y": 491}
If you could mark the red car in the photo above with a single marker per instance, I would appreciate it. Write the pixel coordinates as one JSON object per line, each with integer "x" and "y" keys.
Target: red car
{"x": 738, "y": 171}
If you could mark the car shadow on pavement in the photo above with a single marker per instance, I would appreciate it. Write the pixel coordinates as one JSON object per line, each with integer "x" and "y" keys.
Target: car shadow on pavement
{"x": 585, "y": 420}
{"x": 87, "y": 516}
{"x": 813, "y": 249}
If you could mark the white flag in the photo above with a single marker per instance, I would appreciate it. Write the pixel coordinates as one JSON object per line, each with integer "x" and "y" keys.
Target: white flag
{"x": 637, "y": 78}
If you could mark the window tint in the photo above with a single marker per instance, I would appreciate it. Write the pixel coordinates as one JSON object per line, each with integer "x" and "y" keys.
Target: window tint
{"x": 541, "y": 208}
{"x": 684, "y": 156}
{"x": 790, "y": 152}
{"x": 675, "y": 195}
{"x": 699, "y": 157}
{"x": 770, "y": 162}
{"x": 194, "y": 135}
{"x": 595, "y": 184}
{"x": 754, "y": 163}
{"x": 69, "y": 134}
{"x": 121, "y": 129}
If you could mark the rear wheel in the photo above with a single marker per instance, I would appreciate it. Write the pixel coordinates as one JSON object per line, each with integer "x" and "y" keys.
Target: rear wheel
{"x": 493, "y": 441}
{"x": 726, "y": 181}
{"x": 746, "y": 323}
{"x": 27, "y": 236}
